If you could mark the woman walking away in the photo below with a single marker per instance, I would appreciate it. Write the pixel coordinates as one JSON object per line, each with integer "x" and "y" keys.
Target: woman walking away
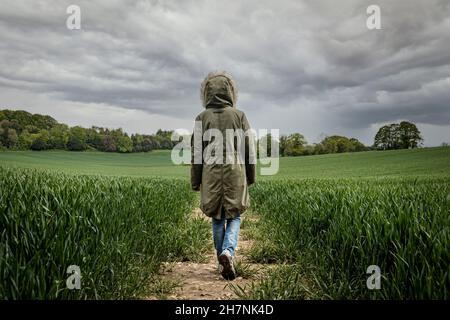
{"x": 223, "y": 164}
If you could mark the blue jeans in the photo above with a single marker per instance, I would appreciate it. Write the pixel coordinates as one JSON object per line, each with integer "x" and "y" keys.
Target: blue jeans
{"x": 226, "y": 237}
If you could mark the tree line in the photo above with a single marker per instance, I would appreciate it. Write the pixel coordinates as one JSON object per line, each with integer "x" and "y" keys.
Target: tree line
{"x": 295, "y": 144}
{"x": 403, "y": 135}
{"x": 21, "y": 130}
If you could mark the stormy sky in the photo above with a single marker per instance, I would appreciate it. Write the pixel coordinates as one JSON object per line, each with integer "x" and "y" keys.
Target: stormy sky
{"x": 300, "y": 66}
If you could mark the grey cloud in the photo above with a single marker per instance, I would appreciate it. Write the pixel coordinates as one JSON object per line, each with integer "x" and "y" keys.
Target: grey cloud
{"x": 285, "y": 55}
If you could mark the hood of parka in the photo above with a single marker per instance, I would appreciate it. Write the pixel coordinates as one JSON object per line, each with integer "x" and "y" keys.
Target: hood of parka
{"x": 218, "y": 90}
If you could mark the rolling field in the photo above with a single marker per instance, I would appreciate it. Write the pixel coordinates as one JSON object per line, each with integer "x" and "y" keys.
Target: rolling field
{"x": 156, "y": 163}
{"x": 399, "y": 163}
{"x": 322, "y": 220}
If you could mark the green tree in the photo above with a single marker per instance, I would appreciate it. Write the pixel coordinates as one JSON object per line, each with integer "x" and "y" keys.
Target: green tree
{"x": 338, "y": 144}
{"x": 137, "y": 140}
{"x": 8, "y": 133}
{"x": 382, "y": 138}
{"x": 409, "y": 135}
{"x": 77, "y": 139}
{"x": 12, "y": 139}
{"x": 25, "y": 140}
{"x": 143, "y": 143}
{"x": 40, "y": 140}
{"x": 24, "y": 118}
{"x": 109, "y": 144}
{"x": 398, "y": 136}
{"x": 59, "y": 136}
{"x": 295, "y": 145}
{"x": 32, "y": 129}
{"x": 357, "y": 146}
{"x": 283, "y": 140}
{"x": 94, "y": 138}
{"x": 124, "y": 144}
{"x": 335, "y": 144}
{"x": 163, "y": 138}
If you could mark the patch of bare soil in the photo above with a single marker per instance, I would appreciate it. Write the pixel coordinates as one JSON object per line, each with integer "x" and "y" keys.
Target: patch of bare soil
{"x": 202, "y": 281}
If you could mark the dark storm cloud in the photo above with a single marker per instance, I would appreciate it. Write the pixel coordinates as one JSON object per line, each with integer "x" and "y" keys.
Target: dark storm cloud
{"x": 302, "y": 56}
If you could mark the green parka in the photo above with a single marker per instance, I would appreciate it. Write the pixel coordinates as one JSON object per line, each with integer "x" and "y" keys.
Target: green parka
{"x": 222, "y": 185}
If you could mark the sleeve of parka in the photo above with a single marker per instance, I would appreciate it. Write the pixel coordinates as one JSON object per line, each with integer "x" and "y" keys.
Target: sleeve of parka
{"x": 250, "y": 153}
{"x": 196, "y": 168}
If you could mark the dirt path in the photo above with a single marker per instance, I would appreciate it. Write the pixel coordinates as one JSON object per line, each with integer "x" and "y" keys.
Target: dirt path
{"x": 198, "y": 281}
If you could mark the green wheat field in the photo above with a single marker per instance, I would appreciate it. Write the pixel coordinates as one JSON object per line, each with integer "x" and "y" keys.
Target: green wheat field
{"x": 322, "y": 219}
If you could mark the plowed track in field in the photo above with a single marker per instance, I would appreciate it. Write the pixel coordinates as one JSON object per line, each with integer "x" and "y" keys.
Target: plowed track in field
{"x": 202, "y": 281}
